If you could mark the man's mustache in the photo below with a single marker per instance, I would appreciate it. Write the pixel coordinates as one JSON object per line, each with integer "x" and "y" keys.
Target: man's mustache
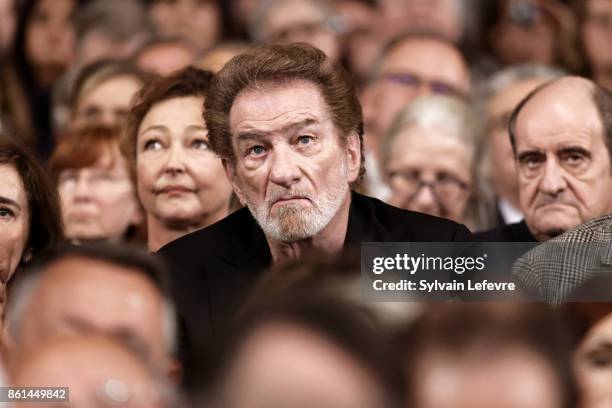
{"x": 284, "y": 194}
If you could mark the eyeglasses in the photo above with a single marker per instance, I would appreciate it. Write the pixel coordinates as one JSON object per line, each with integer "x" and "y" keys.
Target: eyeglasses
{"x": 445, "y": 187}
{"x": 415, "y": 81}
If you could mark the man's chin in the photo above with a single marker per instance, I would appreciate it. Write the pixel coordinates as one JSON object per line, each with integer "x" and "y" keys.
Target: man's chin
{"x": 556, "y": 228}
{"x": 293, "y": 226}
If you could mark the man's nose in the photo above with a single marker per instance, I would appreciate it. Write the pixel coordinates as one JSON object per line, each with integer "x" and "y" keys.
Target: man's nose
{"x": 553, "y": 180}
{"x": 284, "y": 169}
{"x": 425, "y": 201}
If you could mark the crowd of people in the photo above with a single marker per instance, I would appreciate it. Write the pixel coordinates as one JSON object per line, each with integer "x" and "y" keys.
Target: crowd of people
{"x": 185, "y": 186}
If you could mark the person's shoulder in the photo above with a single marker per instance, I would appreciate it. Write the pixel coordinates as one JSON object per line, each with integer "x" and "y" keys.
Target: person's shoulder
{"x": 403, "y": 224}
{"x": 594, "y": 230}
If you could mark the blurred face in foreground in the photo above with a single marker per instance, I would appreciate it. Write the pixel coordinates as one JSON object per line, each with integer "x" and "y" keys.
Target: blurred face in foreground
{"x": 99, "y": 373}
{"x": 562, "y": 159}
{"x": 292, "y": 169}
{"x": 281, "y": 365}
{"x": 78, "y": 295}
{"x": 429, "y": 171}
{"x": 99, "y": 201}
{"x": 593, "y": 365}
{"x": 510, "y": 378}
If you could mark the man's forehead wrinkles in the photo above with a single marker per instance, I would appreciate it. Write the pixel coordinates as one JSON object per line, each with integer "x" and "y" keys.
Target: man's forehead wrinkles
{"x": 279, "y": 122}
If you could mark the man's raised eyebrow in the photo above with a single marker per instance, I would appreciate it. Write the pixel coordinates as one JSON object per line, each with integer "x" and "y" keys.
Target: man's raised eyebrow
{"x": 8, "y": 201}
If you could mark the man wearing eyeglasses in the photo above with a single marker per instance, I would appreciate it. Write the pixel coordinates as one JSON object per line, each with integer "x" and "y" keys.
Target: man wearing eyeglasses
{"x": 412, "y": 65}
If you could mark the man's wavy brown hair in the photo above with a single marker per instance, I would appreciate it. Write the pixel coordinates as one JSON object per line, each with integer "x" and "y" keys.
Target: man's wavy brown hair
{"x": 278, "y": 64}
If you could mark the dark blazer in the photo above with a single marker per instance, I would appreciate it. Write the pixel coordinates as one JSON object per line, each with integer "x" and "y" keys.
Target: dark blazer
{"x": 214, "y": 268}
{"x": 517, "y": 232}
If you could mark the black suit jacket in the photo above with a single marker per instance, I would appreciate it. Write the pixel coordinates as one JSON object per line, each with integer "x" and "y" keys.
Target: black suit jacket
{"x": 214, "y": 268}
{"x": 517, "y": 232}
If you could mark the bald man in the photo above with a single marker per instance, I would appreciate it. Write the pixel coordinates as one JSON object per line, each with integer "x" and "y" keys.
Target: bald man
{"x": 561, "y": 135}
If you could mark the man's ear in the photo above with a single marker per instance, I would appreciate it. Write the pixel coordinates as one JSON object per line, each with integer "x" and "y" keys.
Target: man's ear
{"x": 353, "y": 152}
{"x": 230, "y": 171}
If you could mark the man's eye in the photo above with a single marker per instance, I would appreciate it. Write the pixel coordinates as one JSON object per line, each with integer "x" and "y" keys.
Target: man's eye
{"x": 304, "y": 140}
{"x": 256, "y": 150}
{"x": 574, "y": 158}
{"x": 152, "y": 145}
{"x": 6, "y": 213}
{"x": 447, "y": 179}
{"x": 531, "y": 162}
{"x": 200, "y": 144}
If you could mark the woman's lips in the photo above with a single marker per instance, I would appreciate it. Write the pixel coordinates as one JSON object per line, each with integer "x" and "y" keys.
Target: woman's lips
{"x": 174, "y": 190}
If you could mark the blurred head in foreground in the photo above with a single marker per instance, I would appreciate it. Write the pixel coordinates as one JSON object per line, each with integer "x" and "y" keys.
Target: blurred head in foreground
{"x": 99, "y": 372}
{"x": 96, "y": 191}
{"x": 101, "y": 288}
{"x": 484, "y": 355}
{"x": 298, "y": 352}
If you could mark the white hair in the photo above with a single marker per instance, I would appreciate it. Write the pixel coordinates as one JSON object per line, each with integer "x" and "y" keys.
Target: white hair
{"x": 448, "y": 112}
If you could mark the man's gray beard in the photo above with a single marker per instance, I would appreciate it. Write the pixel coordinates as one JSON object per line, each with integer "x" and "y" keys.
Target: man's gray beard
{"x": 295, "y": 222}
